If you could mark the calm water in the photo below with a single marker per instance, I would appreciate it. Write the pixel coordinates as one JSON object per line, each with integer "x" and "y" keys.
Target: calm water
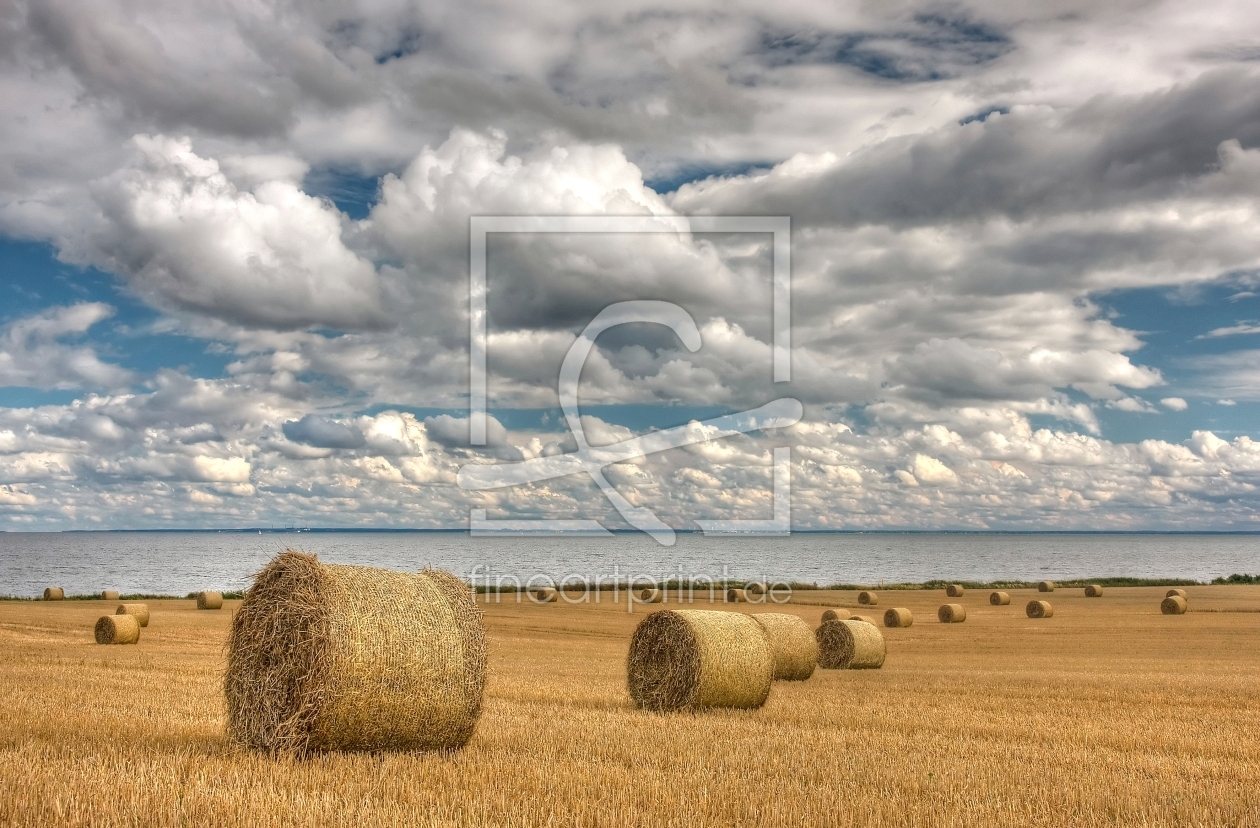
{"x": 178, "y": 563}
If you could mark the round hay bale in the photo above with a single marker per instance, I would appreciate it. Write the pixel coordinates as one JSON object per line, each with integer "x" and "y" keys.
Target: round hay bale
{"x": 755, "y": 588}
{"x": 865, "y": 619}
{"x": 117, "y": 629}
{"x": 328, "y": 657}
{"x": 54, "y": 594}
{"x": 109, "y": 595}
{"x": 869, "y": 599}
{"x": 735, "y": 596}
{"x": 649, "y": 595}
{"x": 542, "y": 595}
{"x": 952, "y": 613}
{"x": 1093, "y": 591}
{"x": 836, "y": 615}
{"x": 793, "y": 648}
{"x": 898, "y": 617}
{"x": 1045, "y": 586}
{"x": 999, "y": 599}
{"x": 850, "y": 645}
{"x": 1180, "y": 593}
{"x": 689, "y": 659}
{"x": 209, "y": 600}
{"x": 954, "y": 591}
{"x": 140, "y": 611}
{"x": 1173, "y": 605}
{"x": 1039, "y": 609}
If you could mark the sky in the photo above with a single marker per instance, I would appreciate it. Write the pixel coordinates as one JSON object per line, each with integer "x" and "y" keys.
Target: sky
{"x": 1025, "y": 268}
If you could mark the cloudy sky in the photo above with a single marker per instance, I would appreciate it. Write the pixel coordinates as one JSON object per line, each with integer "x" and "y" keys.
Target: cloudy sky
{"x": 1025, "y": 262}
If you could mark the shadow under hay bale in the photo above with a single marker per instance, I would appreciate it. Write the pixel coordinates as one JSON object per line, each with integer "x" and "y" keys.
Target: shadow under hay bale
{"x": 54, "y": 594}
{"x": 1180, "y": 593}
{"x": 952, "y": 613}
{"x": 1045, "y": 586}
{"x": 140, "y": 611}
{"x": 329, "y": 657}
{"x": 836, "y": 615}
{"x": 542, "y": 595}
{"x": 954, "y": 591}
{"x": 850, "y": 645}
{"x": 869, "y": 599}
{"x": 999, "y": 599}
{"x": 690, "y": 659}
{"x": 793, "y": 648}
{"x": 209, "y": 600}
{"x": 1039, "y": 609}
{"x": 117, "y": 629}
{"x": 1173, "y": 605}
{"x": 109, "y": 595}
{"x": 898, "y": 617}
{"x": 1093, "y": 591}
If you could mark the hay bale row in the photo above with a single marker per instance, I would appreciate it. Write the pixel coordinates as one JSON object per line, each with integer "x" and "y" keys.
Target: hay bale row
{"x": 999, "y": 599}
{"x": 866, "y": 598}
{"x": 1173, "y": 605}
{"x": 1039, "y": 609}
{"x": 836, "y": 615}
{"x": 328, "y": 657}
{"x": 952, "y": 613}
{"x": 54, "y": 594}
{"x": 209, "y": 600}
{"x": 793, "y": 648}
{"x": 690, "y": 659}
{"x": 954, "y": 591}
{"x": 850, "y": 645}
{"x": 1045, "y": 586}
{"x": 139, "y": 611}
{"x": 117, "y": 629}
{"x": 1180, "y": 593}
{"x": 898, "y": 617}
{"x": 1093, "y": 591}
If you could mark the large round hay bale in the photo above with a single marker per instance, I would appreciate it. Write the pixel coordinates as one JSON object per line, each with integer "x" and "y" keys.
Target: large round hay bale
{"x": 1180, "y": 593}
{"x": 1173, "y": 605}
{"x": 54, "y": 594}
{"x": 735, "y": 596}
{"x": 954, "y": 591}
{"x": 793, "y": 648}
{"x": 542, "y": 595}
{"x": 952, "y": 613}
{"x": 850, "y": 645}
{"x": 209, "y": 600}
{"x": 1039, "y": 609}
{"x": 688, "y": 659}
{"x": 328, "y": 657}
{"x": 109, "y": 595}
{"x": 1045, "y": 586}
{"x": 1093, "y": 591}
{"x": 140, "y": 611}
{"x": 836, "y": 615}
{"x": 999, "y": 599}
{"x": 898, "y": 617}
{"x": 117, "y": 629}
{"x": 649, "y": 595}
{"x": 869, "y": 599}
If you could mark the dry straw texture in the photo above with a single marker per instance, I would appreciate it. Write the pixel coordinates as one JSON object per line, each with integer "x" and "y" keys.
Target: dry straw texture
{"x": 954, "y": 591}
{"x": 1093, "y": 591}
{"x": 1039, "y": 609}
{"x": 734, "y": 596}
{"x": 109, "y": 595}
{"x": 850, "y": 645}
{"x": 543, "y": 595}
{"x": 690, "y": 659}
{"x": 793, "y": 648}
{"x": 869, "y": 599}
{"x": 952, "y": 613}
{"x": 649, "y": 596}
{"x": 836, "y": 615}
{"x": 1045, "y": 586}
{"x": 1180, "y": 593}
{"x": 898, "y": 617}
{"x": 209, "y": 600}
{"x": 1173, "y": 605}
{"x": 117, "y": 629}
{"x": 999, "y": 599}
{"x": 140, "y": 611}
{"x": 325, "y": 657}
{"x": 54, "y": 594}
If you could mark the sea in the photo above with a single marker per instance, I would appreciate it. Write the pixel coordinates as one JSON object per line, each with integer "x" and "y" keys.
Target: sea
{"x": 177, "y": 563}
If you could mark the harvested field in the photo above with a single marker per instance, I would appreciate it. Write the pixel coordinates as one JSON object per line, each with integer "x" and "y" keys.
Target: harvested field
{"x": 560, "y": 742}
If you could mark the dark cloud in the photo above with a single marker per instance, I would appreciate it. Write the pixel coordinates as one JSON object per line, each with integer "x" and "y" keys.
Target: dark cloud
{"x": 321, "y": 432}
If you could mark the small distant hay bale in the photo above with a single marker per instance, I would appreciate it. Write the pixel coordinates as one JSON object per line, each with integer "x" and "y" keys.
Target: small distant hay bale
{"x": 755, "y": 588}
{"x": 850, "y": 645}
{"x": 865, "y": 619}
{"x": 1045, "y": 586}
{"x": 109, "y": 595}
{"x": 898, "y": 617}
{"x": 999, "y": 599}
{"x": 869, "y": 599}
{"x": 1039, "y": 609}
{"x": 330, "y": 657}
{"x": 209, "y": 600}
{"x": 793, "y": 648}
{"x": 139, "y": 611}
{"x": 1180, "y": 593}
{"x": 54, "y": 594}
{"x": 1173, "y": 605}
{"x": 1093, "y": 591}
{"x": 952, "y": 613}
{"x": 117, "y": 629}
{"x": 735, "y": 596}
{"x": 954, "y": 591}
{"x": 649, "y": 595}
{"x": 691, "y": 659}
{"x": 542, "y": 595}
{"x": 836, "y": 615}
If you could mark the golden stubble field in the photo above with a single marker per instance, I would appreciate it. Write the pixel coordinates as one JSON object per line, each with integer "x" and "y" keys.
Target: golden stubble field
{"x": 1107, "y": 714}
